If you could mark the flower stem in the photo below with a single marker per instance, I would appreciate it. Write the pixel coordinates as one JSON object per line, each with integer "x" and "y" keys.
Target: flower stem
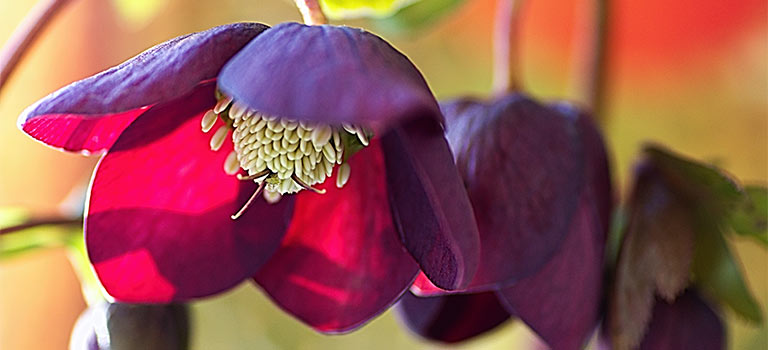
{"x": 25, "y": 34}
{"x": 54, "y": 221}
{"x": 596, "y": 72}
{"x": 506, "y": 56}
{"x": 311, "y": 12}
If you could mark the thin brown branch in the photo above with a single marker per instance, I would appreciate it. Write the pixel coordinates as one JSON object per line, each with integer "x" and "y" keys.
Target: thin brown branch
{"x": 53, "y": 221}
{"x": 25, "y": 34}
{"x": 311, "y": 12}
{"x": 506, "y": 55}
{"x": 596, "y": 80}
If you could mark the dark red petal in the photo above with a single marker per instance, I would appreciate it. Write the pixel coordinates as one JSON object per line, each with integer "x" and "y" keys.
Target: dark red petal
{"x": 158, "y": 225}
{"x": 523, "y": 165}
{"x": 327, "y": 74}
{"x": 688, "y": 323}
{"x": 452, "y": 318}
{"x": 429, "y": 203}
{"x": 341, "y": 262}
{"x": 79, "y": 116}
{"x": 562, "y": 301}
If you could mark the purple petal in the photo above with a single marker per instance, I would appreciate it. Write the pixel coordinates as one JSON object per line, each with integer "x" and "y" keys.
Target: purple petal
{"x": 341, "y": 262}
{"x": 562, "y": 301}
{"x": 452, "y": 318}
{"x": 79, "y": 116}
{"x": 158, "y": 225}
{"x": 327, "y": 74}
{"x": 429, "y": 203}
{"x": 688, "y": 323}
{"x": 523, "y": 165}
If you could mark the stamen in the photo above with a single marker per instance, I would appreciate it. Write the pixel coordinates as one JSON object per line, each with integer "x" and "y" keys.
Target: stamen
{"x": 231, "y": 165}
{"x": 321, "y": 135}
{"x": 362, "y": 137}
{"x": 218, "y": 138}
{"x": 237, "y": 111}
{"x": 248, "y": 203}
{"x": 222, "y": 104}
{"x": 287, "y": 155}
{"x": 342, "y": 176}
{"x": 305, "y": 186}
{"x": 254, "y": 176}
{"x": 209, "y": 119}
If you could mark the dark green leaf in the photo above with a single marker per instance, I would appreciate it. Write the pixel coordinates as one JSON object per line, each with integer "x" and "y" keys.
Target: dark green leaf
{"x": 751, "y": 217}
{"x": 717, "y": 272}
{"x": 417, "y": 15}
{"x": 700, "y": 182}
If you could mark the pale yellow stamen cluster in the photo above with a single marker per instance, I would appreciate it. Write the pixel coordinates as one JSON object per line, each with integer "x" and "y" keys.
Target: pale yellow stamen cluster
{"x": 284, "y": 156}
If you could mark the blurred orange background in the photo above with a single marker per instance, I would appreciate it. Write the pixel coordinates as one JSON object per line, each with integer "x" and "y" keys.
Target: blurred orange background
{"x": 690, "y": 74}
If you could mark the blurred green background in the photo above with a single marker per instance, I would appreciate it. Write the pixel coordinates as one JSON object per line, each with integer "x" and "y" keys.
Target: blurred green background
{"x": 690, "y": 74}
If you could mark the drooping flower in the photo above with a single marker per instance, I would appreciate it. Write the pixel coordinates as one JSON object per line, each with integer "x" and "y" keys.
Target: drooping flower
{"x": 307, "y": 104}
{"x": 537, "y": 177}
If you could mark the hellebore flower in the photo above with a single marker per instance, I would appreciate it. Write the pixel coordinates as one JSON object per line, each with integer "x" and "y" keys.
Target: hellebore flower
{"x": 306, "y": 103}
{"x": 538, "y": 180}
{"x": 673, "y": 249}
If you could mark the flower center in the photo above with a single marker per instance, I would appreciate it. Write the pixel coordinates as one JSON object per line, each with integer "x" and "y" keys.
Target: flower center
{"x": 283, "y": 156}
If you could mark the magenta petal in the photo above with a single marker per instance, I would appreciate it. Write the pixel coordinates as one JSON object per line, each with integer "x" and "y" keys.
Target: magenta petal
{"x": 158, "y": 225}
{"x": 80, "y": 116}
{"x": 429, "y": 203}
{"x": 452, "y": 318}
{"x": 688, "y": 323}
{"x": 523, "y": 165}
{"x": 327, "y": 74}
{"x": 341, "y": 262}
{"x": 78, "y": 133}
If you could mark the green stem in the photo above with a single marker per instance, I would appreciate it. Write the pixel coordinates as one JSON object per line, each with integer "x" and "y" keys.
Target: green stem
{"x": 25, "y": 34}
{"x": 506, "y": 56}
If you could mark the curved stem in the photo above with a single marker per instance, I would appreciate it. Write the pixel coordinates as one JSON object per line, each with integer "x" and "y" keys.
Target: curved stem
{"x": 25, "y": 34}
{"x": 55, "y": 221}
{"x": 506, "y": 55}
{"x": 596, "y": 72}
{"x": 311, "y": 12}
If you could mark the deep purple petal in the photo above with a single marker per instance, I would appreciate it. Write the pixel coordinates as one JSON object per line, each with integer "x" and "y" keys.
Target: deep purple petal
{"x": 327, "y": 74}
{"x": 523, "y": 165}
{"x": 158, "y": 225}
{"x": 452, "y": 318}
{"x": 562, "y": 301}
{"x": 341, "y": 262}
{"x": 688, "y": 323}
{"x": 79, "y": 116}
{"x": 429, "y": 203}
